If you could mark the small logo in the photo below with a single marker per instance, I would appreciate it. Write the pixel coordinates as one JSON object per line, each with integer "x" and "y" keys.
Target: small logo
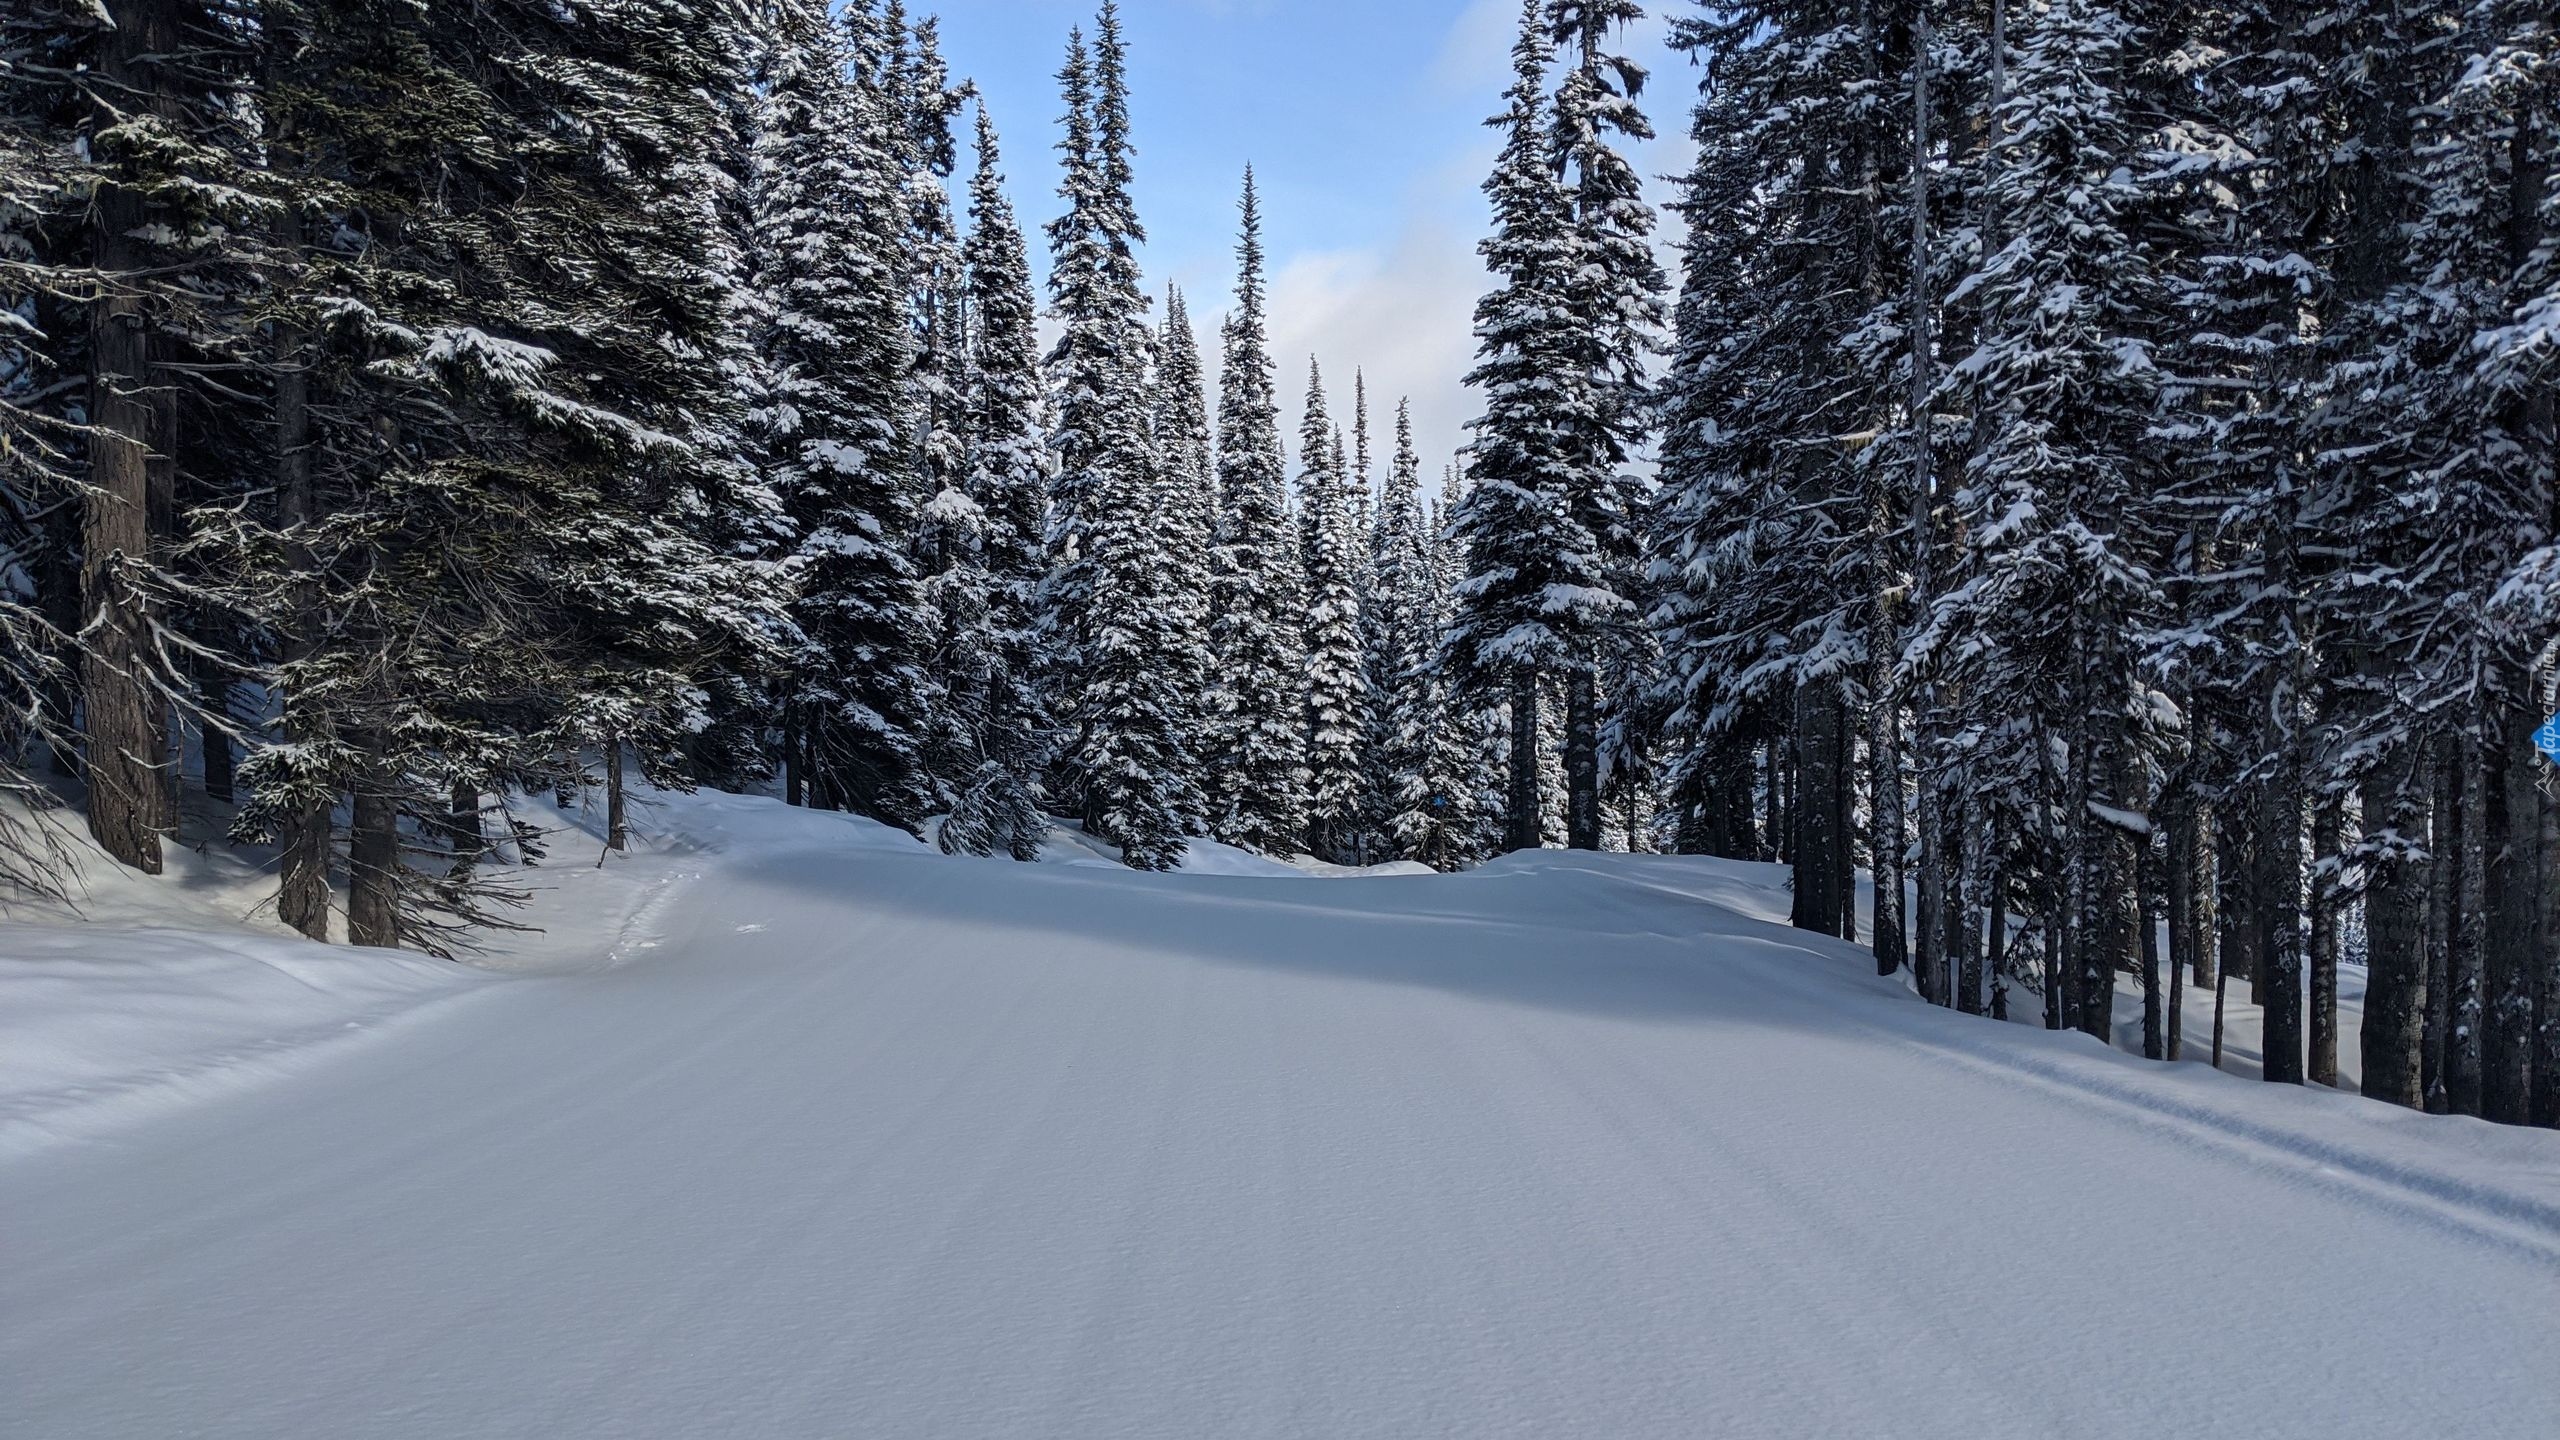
{"x": 2547, "y": 739}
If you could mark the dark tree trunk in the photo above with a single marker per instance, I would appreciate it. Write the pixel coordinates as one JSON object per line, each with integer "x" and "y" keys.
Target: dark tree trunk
{"x": 2546, "y": 971}
{"x": 2173, "y": 1045}
{"x": 2462, "y": 1048}
{"x": 2204, "y": 908}
{"x": 617, "y": 824}
{"x": 2511, "y": 838}
{"x": 127, "y": 747}
{"x": 1817, "y": 867}
{"x": 1929, "y": 966}
{"x": 2221, "y": 997}
{"x": 2236, "y": 875}
{"x": 1884, "y": 803}
{"x": 1844, "y": 804}
{"x": 2326, "y": 828}
{"x": 2395, "y": 942}
{"x": 1582, "y": 760}
{"x": 1523, "y": 829}
{"x": 2279, "y": 915}
{"x": 462, "y": 825}
{"x": 302, "y": 889}
{"x": 2444, "y": 888}
{"x": 2155, "y": 1018}
{"x": 2057, "y": 985}
{"x": 373, "y": 856}
{"x": 2177, "y": 876}
{"x": 1972, "y": 994}
{"x": 1996, "y": 916}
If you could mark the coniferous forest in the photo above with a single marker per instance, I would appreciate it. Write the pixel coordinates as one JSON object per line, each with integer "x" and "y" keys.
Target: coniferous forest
{"x": 2092, "y": 466}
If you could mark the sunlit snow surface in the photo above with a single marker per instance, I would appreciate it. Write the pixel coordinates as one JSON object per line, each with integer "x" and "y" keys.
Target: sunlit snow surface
{"x": 792, "y": 1127}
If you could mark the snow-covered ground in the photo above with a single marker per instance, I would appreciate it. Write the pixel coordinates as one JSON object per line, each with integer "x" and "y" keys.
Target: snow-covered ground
{"x": 792, "y": 1127}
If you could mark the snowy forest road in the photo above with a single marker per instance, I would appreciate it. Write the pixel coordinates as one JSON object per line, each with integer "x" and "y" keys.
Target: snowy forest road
{"x": 901, "y": 1146}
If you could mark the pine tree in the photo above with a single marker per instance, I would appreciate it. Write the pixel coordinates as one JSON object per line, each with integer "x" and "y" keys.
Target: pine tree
{"x": 1531, "y": 564}
{"x": 1186, "y": 500}
{"x": 1616, "y": 310}
{"x": 1256, "y": 736}
{"x": 1417, "y": 795}
{"x": 1110, "y": 607}
{"x": 1337, "y": 699}
{"x": 831, "y": 211}
{"x": 995, "y": 526}
{"x": 922, "y": 100}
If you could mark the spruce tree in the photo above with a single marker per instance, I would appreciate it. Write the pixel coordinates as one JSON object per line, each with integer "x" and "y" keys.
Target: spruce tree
{"x": 1337, "y": 698}
{"x": 1610, "y": 330}
{"x": 831, "y": 210}
{"x": 1255, "y": 731}
{"x": 995, "y": 557}
{"x": 1186, "y": 499}
{"x": 1110, "y": 606}
{"x": 1531, "y": 563}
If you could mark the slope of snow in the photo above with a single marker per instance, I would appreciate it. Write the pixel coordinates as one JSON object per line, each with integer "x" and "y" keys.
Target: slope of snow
{"x": 149, "y": 992}
{"x": 853, "y": 1139}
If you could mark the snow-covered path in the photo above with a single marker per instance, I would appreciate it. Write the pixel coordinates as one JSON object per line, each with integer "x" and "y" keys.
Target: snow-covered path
{"x": 890, "y": 1145}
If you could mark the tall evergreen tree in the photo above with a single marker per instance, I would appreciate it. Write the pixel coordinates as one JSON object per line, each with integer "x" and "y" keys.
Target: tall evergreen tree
{"x": 1610, "y": 331}
{"x": 1256, "y": 736}
{"x": 1534, "y": 570}
{"x": 1109, "y": 605}
{"x": 995, "y": 527}
{"x": 1187, "y": 502}
{"x": 832, "y": 214}
{"x": 1337, "y": 686}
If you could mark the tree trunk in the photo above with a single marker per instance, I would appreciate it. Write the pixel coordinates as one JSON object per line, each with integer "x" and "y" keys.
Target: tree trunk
{"x": 2512, "y": 836}
{"x": 2545, "y": 1107}
{"x": 2395, "y": 943}
{"x": 2203, "y": 895}
{"x": 1523, "y": 828}
{"x": 373, "y": 855}
{"x": 1884, "y": 770}
{"x": 2462, "y": 1048}
{"x": 2279, "y": 916}
{"x": 2155, "y": 1018}
{"x": 1817, "y": 870}
{"x": 1844, "y": 800}
{"x": 1996, "y": 917}
{"x": 2444, "y": 888}
{"x": 126, "y": 747}
{"x": 2057, "y": 988}
{"x": 1929, "y": 885}
{"x": 302, "y": 891}
{"x": 2326, "y": 828}
{"x": 617, "y": 823}
{"x": 1582, "y": 759}
{"x": 1972, "y": 994}
{"x": 2221, "y": 995}
{"x": 462, "y": 825}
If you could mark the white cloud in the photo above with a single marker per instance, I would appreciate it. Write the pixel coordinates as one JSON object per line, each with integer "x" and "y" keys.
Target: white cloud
{"x": 1475, "y": 56}
{"x": 1404, "y": 318}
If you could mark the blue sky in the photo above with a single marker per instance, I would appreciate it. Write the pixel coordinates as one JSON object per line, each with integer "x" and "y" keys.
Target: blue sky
{"x": 1362, "y": 119}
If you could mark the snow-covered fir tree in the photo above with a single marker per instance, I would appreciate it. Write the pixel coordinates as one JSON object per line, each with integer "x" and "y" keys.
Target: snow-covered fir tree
{"x": 1337, "y": 682}
{"x": 990, "y": 529}
{"x": 832, "y": 209}
{"x": 1187, "y": 502}
{"x": 1256, "y": 736}
{"x": 1615, "y": 316}
{"x": 1109, "y": 609}
{"x": 1531, "y": 563}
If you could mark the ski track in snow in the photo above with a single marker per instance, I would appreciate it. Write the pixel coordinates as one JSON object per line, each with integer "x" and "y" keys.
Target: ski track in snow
{"x": 860, "y": 1141}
